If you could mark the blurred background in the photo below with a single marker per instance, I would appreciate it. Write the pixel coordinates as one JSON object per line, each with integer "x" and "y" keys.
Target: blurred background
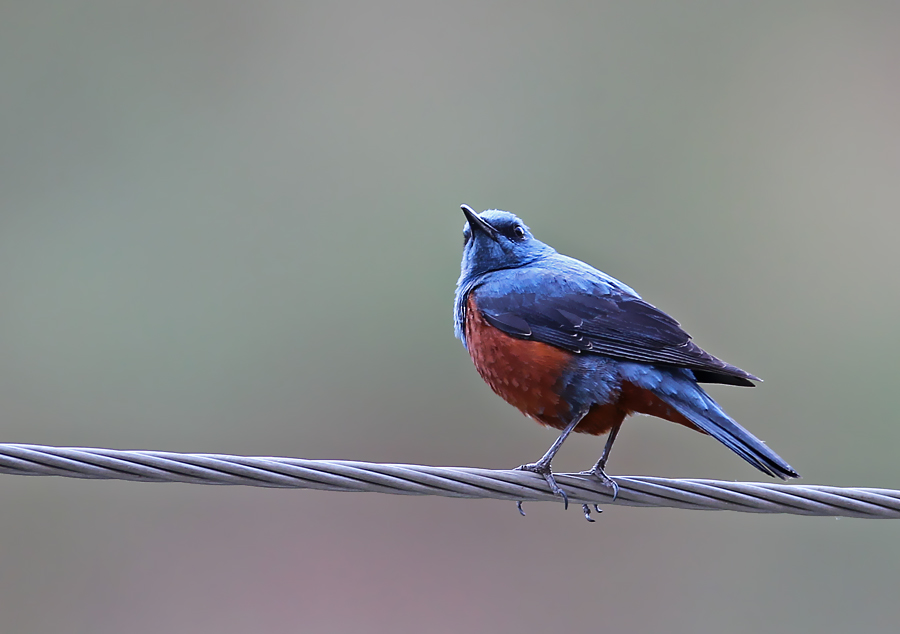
{"x": 234, "y": 227}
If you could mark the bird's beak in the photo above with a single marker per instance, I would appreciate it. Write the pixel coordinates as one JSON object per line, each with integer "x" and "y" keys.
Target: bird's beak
{"x": 478, "y": 224}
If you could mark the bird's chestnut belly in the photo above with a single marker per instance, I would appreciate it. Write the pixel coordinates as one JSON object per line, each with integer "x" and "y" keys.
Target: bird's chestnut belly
{"x": 530, "y": 375}
{"x": 524, "y": 373}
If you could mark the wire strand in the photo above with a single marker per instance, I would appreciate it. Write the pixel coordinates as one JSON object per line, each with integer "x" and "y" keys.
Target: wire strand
{"x": 461, "y": 482}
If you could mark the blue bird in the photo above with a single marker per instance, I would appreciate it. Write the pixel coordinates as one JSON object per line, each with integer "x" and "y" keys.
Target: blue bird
{"x": 578, "y": 350}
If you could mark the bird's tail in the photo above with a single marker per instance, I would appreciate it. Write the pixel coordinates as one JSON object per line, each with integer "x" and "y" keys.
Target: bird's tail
{"x": 692, "y": 402}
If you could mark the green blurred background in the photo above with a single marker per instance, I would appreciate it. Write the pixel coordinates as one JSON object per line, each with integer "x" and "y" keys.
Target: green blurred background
{"x": 234, "y": 227}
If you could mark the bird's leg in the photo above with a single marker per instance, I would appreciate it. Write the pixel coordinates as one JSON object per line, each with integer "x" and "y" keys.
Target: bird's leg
{"x": 542, "y": 466}
{"x": 597, "y": 470}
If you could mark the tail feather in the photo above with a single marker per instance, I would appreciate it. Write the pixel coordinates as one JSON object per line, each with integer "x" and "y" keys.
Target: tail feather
{"x": 699, "y": 408}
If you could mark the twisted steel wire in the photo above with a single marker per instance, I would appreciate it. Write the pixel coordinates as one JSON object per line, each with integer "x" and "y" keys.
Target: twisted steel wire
{"x": 464, "y": 482}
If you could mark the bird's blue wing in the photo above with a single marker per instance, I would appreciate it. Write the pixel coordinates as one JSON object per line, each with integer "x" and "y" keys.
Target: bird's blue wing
{"x": 593, "y": 314}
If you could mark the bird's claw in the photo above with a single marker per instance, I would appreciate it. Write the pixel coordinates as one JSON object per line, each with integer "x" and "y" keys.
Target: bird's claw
{"x": 605, "y": 480}
{"x": 519, "y": 506}
{"x": 544, "y": 470}
{"x": 587, "y": 511}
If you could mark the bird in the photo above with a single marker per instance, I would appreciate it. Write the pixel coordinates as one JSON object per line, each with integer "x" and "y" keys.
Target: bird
{"x": 577, "y": 350}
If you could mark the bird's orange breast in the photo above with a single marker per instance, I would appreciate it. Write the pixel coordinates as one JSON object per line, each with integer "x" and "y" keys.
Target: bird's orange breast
{"x": 524, "y": 373}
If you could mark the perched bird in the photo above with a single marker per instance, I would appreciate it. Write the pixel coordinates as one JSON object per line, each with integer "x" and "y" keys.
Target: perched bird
{"x": 577, "y": 350}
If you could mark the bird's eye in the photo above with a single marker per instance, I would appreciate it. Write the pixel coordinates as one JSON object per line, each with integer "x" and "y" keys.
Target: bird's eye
{"x": 466, "y": 236}
{"x": 519, "y": 232}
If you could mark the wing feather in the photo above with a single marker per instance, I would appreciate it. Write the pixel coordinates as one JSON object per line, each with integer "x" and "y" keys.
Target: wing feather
{"x": 599, "y": 319}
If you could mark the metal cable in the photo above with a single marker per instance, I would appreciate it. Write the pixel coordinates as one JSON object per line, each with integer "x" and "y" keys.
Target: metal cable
{"x": 464, "y": 482}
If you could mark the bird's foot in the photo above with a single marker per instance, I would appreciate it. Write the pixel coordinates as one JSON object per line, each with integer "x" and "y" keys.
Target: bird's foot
{"x": 544, "y": 470}
{"x": 608, "y": 482}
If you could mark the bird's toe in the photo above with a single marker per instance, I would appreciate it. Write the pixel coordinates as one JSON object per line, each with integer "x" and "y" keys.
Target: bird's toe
{"x": 544, "y": 470}
{"x": 604, "y": 479}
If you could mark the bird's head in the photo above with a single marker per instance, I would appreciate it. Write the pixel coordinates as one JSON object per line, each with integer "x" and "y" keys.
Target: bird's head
{"x": 494, "y": 240}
